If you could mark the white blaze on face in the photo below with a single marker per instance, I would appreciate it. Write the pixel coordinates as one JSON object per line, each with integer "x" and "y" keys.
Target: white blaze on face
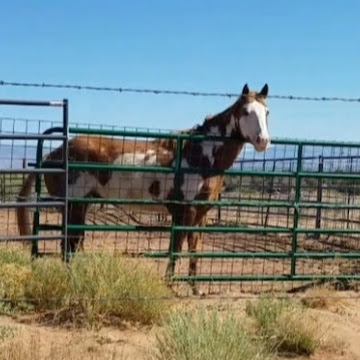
{"x": 253, "y": 124}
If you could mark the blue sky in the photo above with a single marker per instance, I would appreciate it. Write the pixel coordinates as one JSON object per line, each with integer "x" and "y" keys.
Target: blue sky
{"x": 308, "y": 48}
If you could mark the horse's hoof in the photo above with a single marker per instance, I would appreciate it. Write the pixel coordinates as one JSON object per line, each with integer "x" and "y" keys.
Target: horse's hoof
{"x": 197, "y": 292}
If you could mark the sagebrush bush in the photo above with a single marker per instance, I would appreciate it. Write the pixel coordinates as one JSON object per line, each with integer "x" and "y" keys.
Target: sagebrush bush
{"x": 117, "y": 286}
{"x": 285, "y": 326}
{"x": 13, "y": 279}
{"x": 18, "y": 257}
{"x": 48, "y": 284}
{"x": 203, "y": 336}
{"x": 91, "y": 287}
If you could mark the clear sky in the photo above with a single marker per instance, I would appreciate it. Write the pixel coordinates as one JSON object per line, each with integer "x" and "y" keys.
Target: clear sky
{"x": 308, "y": 47}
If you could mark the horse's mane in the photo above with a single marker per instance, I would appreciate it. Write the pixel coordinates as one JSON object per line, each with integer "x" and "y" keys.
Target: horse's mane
{"x": 201, "y": 128}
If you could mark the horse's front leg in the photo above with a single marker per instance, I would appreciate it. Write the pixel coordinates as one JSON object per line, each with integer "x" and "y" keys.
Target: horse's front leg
{"x": 181, "y": 216}
{"x": 194, "y": 243}
{"x": 179, "y": 241}
{"x": 75, "y": 238}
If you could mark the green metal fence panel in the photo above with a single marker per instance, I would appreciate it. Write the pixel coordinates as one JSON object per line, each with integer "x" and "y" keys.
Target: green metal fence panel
{"x": 295, "y": 204}
{"x": 293, "y": 215}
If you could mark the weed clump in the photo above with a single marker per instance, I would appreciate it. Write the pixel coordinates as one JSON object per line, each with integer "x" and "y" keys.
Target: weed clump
{"x": 205, "y": 336}
{"x": 90, "y": 289}
{"x": 285, "y": 326}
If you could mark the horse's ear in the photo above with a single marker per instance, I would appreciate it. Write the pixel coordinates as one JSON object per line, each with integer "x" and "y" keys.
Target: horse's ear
{"x": 264, "y": 91}
{"x": 245, "y": 90}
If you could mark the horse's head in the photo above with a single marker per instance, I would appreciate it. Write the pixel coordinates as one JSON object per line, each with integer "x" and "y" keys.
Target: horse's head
{"x": 251, "y": 117}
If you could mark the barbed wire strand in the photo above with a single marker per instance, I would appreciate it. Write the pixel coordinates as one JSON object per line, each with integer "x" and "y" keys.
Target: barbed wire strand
{"x": 168, "y": 92}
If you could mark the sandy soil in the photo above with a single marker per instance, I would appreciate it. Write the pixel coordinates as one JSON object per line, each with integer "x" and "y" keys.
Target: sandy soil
{"x": 340, "y": 321}
{"x": 134, "y": 343}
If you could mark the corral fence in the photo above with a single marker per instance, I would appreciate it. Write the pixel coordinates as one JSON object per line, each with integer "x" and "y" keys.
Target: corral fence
{"x": 290, "y": 214}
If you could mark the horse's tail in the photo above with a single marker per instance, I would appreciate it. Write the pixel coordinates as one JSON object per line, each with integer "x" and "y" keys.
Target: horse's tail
{"x": 22, "y": 212}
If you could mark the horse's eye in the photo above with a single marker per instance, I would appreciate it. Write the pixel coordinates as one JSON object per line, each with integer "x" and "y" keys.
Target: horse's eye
{"x": 245, "y": 112}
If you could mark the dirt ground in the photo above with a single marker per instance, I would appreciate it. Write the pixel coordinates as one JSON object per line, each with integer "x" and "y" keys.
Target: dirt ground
{"x": 340, "y": 321}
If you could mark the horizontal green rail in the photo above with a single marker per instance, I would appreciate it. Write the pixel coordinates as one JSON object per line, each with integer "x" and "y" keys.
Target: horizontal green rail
{"x": 306, "y": 142}
{"x": 324, "y": 175}
{"x": 221, "y": 255}
{"x": 327, "y": 231}
{"x": 285, "y": 277}
{"x": 48, "y": 227}
{"x": 155, "y": 169}
{"x": 162, "y": 169}
{"x": 231, "y": 229}
{"x": 147, "y": 134}
{"x": 226, "y": 203}
{"x": 254, "y": 255}
{"x": 207, "y": 229}
{"x": 182, "y": 202}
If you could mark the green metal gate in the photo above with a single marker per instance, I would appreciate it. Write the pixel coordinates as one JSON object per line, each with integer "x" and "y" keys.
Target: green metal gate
{"x": 311, "y": 188}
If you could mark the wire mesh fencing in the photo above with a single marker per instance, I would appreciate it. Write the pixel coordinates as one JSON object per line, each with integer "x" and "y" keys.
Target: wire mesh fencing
{"x": 289, "y": 214}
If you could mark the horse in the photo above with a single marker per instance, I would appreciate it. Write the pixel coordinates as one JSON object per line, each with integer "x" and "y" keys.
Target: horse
{"x": 245, "y": 121}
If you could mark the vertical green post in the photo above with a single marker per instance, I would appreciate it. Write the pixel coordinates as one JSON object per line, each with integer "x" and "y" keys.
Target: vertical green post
{"x": 35, "y": 243}
{"x": 65, "y": 159}
{"x": 177, "y": 174}
{"x": 296, "y": 210}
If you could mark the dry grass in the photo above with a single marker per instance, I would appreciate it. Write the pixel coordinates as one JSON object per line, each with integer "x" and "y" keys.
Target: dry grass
{"x": 91, "y": 289}
{"x": 31, "y": 349}
{"x": 205, "y": 336}
{"x": 109, "y": 286}
{"x": 5, "y": 332}
{"x": 285, "y": 326}
{"x": 322, "y": 297}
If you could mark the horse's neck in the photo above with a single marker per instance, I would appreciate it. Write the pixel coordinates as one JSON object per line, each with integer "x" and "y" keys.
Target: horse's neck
{"x": 213, "y": 153}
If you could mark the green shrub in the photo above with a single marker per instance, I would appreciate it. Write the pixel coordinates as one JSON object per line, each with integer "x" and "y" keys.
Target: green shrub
{"x": 117, "y": 286}
{"x": 285, "y": 326}
{"x": 18, "y": 257}
{"x": 92, "y": 287}
{"x": 200, "y": 336}
{"x": 13, "y": 279}
{"x": 48, "y": 283}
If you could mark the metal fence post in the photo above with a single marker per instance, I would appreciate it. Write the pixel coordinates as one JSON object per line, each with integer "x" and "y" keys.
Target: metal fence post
{"x": 319, "y": 197}
{"x": 270, "y": 196}
{"x": 65, "y": 156}
{"x": 349, "y": 196}
{"x": 219, "y": 209}
{"x": 177, "y": 179}
{"x": 36, "y": 223}
{"x": 263, "y": 191}
{"x": 296, "y": 210}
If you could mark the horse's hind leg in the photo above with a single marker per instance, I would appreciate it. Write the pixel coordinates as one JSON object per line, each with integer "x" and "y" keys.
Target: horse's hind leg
{"x": 75, "y": 238}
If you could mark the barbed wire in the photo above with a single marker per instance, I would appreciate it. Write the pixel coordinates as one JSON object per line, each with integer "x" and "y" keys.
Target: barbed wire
{"x": 168, "y": 92}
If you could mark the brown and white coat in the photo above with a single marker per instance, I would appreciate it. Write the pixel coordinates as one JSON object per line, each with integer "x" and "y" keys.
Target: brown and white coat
{"x": 244, "y": 121}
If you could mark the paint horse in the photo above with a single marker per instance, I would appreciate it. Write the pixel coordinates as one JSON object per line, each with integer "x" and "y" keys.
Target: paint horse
{"x": 244, "y": 121}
